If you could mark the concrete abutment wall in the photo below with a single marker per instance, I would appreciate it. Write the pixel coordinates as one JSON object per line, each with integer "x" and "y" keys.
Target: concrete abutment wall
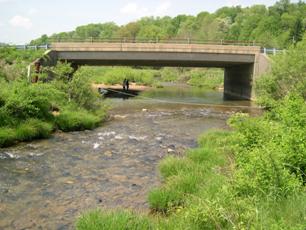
{"x": 238, "y": 82}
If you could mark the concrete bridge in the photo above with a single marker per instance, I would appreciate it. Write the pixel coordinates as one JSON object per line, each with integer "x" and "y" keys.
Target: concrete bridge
{"x": 242, "y": 64}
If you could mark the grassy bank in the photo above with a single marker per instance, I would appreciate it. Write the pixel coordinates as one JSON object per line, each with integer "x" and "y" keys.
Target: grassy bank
{"x": 238, "y": 179}
{"x": 32, "y": 111}
{"x": 198, "y": 77}
{"x": 252, "y": 177}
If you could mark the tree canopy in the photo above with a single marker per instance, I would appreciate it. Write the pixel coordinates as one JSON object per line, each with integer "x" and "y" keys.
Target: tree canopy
{"x": 280, "y": 25}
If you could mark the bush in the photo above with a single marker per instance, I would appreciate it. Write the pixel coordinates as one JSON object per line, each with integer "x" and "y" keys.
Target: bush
{"x": 5, "y": 118}
{"x": 76, "y": 120}
{"x": 270, "y": 151}
{"x": 288, "y": 75}
{"x": 32, "y": 100}
{"x": 82, "y": 93}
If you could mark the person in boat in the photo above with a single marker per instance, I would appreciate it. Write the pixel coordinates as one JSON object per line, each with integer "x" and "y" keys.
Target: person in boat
{"x": 124, "y": 84}
{"x": 127, "y": 84}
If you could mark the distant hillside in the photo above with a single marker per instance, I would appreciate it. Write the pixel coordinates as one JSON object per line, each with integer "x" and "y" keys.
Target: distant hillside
{"x": 280, "y": 25}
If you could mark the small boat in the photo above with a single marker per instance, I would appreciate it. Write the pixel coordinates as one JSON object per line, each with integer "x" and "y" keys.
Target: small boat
{"x": 102, "y": 91}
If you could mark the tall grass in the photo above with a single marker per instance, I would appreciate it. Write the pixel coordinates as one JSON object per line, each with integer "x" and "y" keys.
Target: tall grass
{"x": 33, "y": 129}
{"x": 28, "y": 130}
{"x": 99, "y": 220}
{"x": 7, "y": 137}
{"x": 210, "y": 78}
{"x": 76, "y": 120}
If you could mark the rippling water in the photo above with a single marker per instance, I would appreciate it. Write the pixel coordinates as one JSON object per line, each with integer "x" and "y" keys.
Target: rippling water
{"x": 47, "y": 184}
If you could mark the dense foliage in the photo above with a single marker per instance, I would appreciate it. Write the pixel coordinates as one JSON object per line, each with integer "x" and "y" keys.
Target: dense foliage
{"x": 29, "y": 111}
{"x": 277, "y": 26}
{"x": 288, "y": 74}
{"x": 13, "y": 62}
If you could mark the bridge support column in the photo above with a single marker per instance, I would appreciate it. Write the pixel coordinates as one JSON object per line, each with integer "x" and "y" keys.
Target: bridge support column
{"x": 238, "y": 82}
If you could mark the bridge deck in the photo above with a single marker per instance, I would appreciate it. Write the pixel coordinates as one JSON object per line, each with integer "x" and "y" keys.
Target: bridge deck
{"x": 156, "y": 47}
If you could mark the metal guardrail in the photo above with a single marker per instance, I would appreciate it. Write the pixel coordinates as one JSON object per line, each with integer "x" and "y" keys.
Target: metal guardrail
{"x": 29, "y": 47}
{"x": 264, "y": 50}
{"x": 272, "y": 51}
{"x": 156, "y": 40}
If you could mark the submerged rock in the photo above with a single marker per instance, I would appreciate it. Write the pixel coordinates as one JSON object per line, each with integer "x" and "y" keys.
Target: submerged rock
{"x": 96, "y": 145}
{"x": 120, "y": 116}
{"x": 108, "y": 153}
{"x": 170, "y": 150}
{"x": 137, "y": 138}
{"x": 159, "y": 138}
{"x": 118, "y": 137}
{"x": 8, "y": 155}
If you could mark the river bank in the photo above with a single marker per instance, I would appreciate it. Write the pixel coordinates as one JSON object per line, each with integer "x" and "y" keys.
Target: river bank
{"x": 50, "y": 183}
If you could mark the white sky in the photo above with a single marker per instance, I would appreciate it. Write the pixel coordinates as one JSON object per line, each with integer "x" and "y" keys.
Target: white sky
{"x": 22, "y": 21}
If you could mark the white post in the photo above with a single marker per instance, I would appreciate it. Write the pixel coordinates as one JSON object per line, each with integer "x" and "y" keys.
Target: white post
{"x": 29, "y": 73}
{"x": 274, "y": 51}
{"x": 265, "y": 50}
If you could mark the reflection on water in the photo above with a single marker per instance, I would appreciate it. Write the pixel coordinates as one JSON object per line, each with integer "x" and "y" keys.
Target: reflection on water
{"x": 47, "y": 184}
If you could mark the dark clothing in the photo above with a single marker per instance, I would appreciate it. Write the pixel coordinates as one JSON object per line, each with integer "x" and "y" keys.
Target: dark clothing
{"x": 124, "y": 84}
{"x": 127, "y": 84}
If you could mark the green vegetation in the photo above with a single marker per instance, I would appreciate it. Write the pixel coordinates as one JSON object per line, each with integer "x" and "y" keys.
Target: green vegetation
{"x": 288, "y": 74}
{"x": 76, "y": 120}
{"x": 13, "y": 62}
{"x": 32, "y": 111}
{"x": 251, "y": 177}
{"x": 278, "y": 26}
{"x": 210, "y": 78}
{"x": 112, "y": 221}
{"x": 199, "y": 77}
{"x": 111, "y": 76}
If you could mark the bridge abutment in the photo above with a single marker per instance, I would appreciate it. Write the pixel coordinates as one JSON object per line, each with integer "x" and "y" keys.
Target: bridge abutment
{"x": 238, "y": 82}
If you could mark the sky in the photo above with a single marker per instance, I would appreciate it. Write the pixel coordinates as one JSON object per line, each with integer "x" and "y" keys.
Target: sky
{"x": 24, "y": 20}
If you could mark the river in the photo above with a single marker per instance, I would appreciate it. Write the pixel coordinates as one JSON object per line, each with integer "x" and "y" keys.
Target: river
{"x": 47, "y": 184}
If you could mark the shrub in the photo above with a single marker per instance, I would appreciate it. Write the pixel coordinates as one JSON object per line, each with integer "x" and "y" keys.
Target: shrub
{"x": 32, "y": 100}
{"x": 287, "y": 75}
{"x": 81, "y": 92}
{"x": 5, "y": 118}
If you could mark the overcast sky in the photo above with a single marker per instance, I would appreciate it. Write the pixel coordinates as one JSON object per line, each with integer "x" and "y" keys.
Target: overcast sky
{"x": 23, "y": 20}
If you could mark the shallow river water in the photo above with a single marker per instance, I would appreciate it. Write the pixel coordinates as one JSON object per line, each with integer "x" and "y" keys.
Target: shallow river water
{"x": 47, "y": 184}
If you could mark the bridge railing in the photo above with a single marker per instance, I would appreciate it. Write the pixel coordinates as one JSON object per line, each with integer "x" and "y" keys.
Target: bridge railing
{"x": 29, "y": 47}
{"x": 268, "y": 51}
{"x": 156, "y": 40}
{"x": 271, "y": 51}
